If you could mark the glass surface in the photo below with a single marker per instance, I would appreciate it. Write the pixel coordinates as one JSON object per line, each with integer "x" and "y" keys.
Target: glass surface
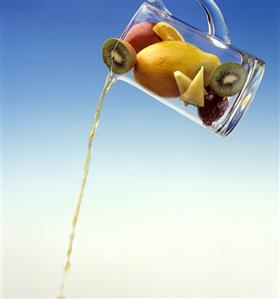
{"x": 238, "y": 103}
{"x": 216, "y": 22}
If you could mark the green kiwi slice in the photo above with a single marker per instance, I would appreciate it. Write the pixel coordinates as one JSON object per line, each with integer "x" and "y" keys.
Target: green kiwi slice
{"x": 228, "y": 79}
{"x": 118, "y": 55}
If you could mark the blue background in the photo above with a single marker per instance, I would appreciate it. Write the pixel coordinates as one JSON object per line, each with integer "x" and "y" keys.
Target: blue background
{"x": 154, "y": 172}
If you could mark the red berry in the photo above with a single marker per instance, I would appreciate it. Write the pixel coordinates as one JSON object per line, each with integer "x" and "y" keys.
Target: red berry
{"x": 214, "y": 108}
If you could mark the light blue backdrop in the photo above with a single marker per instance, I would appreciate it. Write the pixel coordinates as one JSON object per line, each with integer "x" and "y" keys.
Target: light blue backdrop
{"x": 170, "y": 209}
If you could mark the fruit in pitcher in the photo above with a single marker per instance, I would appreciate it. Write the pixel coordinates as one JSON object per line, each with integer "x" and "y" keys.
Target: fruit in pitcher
{"x": 182, "y": 81}
{"x": 208, "y": 70}
{"x": 142, "y": 35}
{"x": 214, "y": 107}
{"x": 167, "y": 32}
{"x": 195, "y": 93}
{"x": 228, "y": 79}
{"x": 157, "y": 63}
{"x": 118, "y": 55}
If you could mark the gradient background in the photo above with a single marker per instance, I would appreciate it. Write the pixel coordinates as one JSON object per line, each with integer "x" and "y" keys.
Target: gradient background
{"x": 170, "y": 210}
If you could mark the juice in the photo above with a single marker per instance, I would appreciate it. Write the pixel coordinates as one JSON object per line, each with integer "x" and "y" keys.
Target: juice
{"x": 67, "y": 265}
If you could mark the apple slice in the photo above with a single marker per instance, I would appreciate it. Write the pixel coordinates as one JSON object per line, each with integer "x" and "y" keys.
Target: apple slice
{"x": 183, "y": 81}
{"x": 195, "y": 93}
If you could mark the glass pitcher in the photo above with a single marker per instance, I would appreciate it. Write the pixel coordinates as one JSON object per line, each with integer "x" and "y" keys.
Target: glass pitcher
{"x": 216, "y": 41}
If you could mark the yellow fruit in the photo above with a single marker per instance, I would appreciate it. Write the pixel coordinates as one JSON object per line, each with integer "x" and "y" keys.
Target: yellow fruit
{"x": 183, "y": 81}
{"x": 195, "y": 93}
{"x": 167, "y": 32}
{"x": 157, "y": 63}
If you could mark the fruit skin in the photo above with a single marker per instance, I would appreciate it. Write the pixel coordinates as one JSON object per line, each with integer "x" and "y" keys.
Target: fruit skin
{"x": 142, "y": 35}
{"x": 127, "y": 52}
{"x": 228, "y": 79}
{"x": 195, "y": 93}
{"x": 157, "y": 63}
{"x": 214, "y": 107}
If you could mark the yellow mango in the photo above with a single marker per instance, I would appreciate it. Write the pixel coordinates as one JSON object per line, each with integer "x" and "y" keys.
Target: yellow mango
{"x": 157, "y": 63}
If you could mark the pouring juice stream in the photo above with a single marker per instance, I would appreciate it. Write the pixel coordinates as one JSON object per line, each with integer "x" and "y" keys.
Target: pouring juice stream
{"x": 108, "y": 83}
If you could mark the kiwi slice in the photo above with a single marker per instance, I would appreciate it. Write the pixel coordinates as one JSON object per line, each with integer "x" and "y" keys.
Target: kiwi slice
{"x": 118, "y": 55}
{"x": 228, "y": 79}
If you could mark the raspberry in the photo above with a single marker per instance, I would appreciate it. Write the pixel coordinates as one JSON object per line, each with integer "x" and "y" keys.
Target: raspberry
{"x": 214, "y": 108}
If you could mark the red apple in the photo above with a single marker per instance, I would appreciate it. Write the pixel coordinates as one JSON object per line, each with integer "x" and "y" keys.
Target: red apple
{"x": 142, "y": 35}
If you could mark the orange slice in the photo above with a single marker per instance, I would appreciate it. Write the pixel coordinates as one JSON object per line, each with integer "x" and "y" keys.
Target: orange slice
{"x": 167, "y": 32}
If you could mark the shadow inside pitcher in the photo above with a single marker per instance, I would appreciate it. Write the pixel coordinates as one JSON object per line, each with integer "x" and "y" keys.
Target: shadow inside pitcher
{"x": 237, "y": 104}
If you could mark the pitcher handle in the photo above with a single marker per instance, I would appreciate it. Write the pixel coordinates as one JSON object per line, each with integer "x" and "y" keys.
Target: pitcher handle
{"x": 216, "y": 22}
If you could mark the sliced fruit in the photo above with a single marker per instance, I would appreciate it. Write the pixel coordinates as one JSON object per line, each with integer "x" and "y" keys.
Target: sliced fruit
{"x": 228, "y": 79}
{"x": 195, "y": 93}
{"x": 183, "y": 81}
{"x": 214, "y": 107}
{"x": 118, "y": 55}
{"x": 142, "y": 35}
{"x": 208, "y": 69}
{"x": 167, "y": 32}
